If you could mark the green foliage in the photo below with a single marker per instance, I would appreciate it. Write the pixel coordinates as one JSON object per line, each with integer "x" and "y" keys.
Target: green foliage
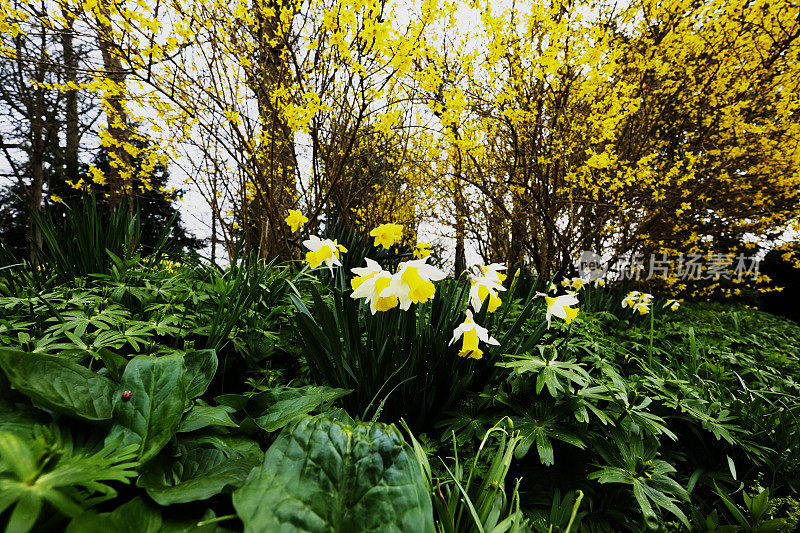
{"x": 150, "y": 418}
{"x": 468, "y": 500}
{"x": 632, "y": 461}
{"x": 50, "y": 466}
{"x": 180, "y": 376}
{"x": 401, "y": 363}
{"x": 59, "y": 384}
{"x": 324, "y": 475}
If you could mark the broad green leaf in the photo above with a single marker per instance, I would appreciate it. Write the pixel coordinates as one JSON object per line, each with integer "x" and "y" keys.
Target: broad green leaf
{"x": 58, "y": 384}
{"x": 132, "y": 517}
{"x": 114, "y": 363}
{"x": 158, "y": 395}
{"x": 201, "y": 416}
{"x": 322, "y": 475}
{"x": 277, "y": 407}
{"x": 198, "y": 471}
{"x": 200, "y": 369}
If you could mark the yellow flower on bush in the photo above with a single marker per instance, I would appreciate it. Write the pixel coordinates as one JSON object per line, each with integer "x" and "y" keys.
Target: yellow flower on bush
{"x": 422, "y": 249}
{"x": 369, "y": 282}
{"x": 487, "y": 286}
{"x": 296, "y": 219}
{"x": 413, "y": 282}
{"x": 472, "y": 334}
{"x": 387, "y": 234}
{"x": 560, "y": 307}
{"x": 323, "y": 250}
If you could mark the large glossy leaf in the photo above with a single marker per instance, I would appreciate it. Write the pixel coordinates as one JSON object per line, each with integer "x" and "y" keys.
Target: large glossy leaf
{"x": 277, "y": 407}
{"x": 202, "y": 416}
{"x": 59, "y": 384}
{"x": 200, "y": 369}
{"x": 132, "y": 517}
{"x": 322, "y": 475}
{"x": 158, "y": 395}
{"x": 198, "y": 470}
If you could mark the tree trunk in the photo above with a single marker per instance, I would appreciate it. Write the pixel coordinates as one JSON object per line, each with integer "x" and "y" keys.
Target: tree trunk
{"x": 71, "y": 112}
{"x": 274, "y": 161}
{"x": 35, "y": 112}
{"x": 119, "y": 176}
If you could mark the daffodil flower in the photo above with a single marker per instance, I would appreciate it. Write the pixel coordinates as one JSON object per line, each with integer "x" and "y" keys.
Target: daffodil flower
{"x": 487, "y": 286}
{"x": 472, "y": 334}
{"x": 387, "y": 234}
{"x": 413, "y": 283}
{"x": 323, "y": 250}
{"x": 368, "y": 284}
{"x": 672, "y": 305}
{"x": 493, "y": 273}
{"x": 638, "y": 301}
{"x": 560, "y": 307}
{"x": 422, "y": 249}
{"x": 295, "y": 219}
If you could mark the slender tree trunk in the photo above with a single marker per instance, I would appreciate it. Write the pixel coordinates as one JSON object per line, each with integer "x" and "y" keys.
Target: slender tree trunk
{"x": 461, "y": 256}
{"x": 119, "y": 176}
{"x": 275, "y": 172}
{"x": 35, "y": 113}
{"x": 71, "y": 111}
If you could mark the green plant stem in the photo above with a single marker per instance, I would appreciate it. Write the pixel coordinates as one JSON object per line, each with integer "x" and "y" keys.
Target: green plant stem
{"x": 575, "y": 506}
{"x": 650, "y": 349}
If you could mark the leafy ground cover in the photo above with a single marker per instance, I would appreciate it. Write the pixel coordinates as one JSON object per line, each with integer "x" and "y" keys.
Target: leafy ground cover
{"x": 157, "y": 395}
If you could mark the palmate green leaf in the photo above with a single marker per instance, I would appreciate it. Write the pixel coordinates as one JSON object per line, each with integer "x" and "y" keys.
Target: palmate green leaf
{"x": 58, "y": 384}
{"x": 277, "y": 407}
{"x": 158, "y": 396}
{"x": 321, "y": 475}
{"x": 48, "y": 466}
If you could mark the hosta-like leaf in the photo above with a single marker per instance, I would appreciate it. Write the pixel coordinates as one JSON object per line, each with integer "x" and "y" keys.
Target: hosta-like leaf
{"x": 198, "y": 471}
{"x": 201, "y": 416}
{"x": 322, "y": 475}
{"x": 132, "y": 517}
{"x": 200, "y": 369}
{"x": 58, "y": 384}
{"x": 158, "y": 395}
{"x": 279, "y": 406}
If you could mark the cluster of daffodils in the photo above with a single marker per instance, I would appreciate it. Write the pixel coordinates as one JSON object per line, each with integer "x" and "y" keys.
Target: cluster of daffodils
{"x": 383, "y": 290}
{"x": 574, "y": 284}
{"x": 413, "y": 283}
{"x": 638, "y": 301}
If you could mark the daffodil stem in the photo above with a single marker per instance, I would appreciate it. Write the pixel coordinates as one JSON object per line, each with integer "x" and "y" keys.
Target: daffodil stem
{"x": 650, "y": 349}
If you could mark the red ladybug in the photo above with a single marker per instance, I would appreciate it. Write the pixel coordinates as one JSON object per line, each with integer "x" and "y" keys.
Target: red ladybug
{"x": 126, "y": 396}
